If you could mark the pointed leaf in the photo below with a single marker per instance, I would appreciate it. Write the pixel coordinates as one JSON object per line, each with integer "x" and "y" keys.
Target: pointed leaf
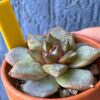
{"x": 58, "y": 33}
{"x": 35, "y": 42}
{"x": 50, "y": 43}
{"x": 18, "y": 54}
{"x": 68, "y": 42}
{"x": 53, "y": 55}
{"x": 66, "y": 45}
{"x": 85, "y": 56}
{"x": 41, "y": 88}
{"x": 50, "y": 58}
{"x": 68, "y": 57}
{"x": 67, "y": 39}
{"x": 27, "y": 70}
{"x": 47, "y": 46}
{"x": 78, "y": 79}
{"x": 57, "y": 51}
{"x": 55, "y": 69}
{"x": 52, "y": 39}
{"x": 37, "y": 56}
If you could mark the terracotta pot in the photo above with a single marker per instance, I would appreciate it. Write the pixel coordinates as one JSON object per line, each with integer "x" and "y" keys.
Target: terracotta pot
{"x": 14, "y": 94}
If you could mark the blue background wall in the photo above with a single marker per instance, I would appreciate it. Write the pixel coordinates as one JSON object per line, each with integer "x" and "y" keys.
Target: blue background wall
{"x": 38, "y": 16}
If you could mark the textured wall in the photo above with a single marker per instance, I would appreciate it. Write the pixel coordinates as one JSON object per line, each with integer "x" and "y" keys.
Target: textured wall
{"x": 38, "y": 16}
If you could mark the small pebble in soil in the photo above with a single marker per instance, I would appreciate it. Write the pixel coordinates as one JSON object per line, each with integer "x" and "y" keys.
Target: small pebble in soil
{"x": 73, "y": 91}
{"x": 67, "y": 92}
{"x": 64, "y": 93}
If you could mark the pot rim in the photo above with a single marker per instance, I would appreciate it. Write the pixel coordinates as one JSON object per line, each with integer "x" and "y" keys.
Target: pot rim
{"x": 12, "y": 89}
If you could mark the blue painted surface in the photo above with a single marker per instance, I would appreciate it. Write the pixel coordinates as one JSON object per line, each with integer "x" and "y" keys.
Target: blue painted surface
{"x": 38, "y": 16}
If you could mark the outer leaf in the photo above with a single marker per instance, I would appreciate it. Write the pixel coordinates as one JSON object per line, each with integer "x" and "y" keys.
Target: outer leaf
{"x": 18, "y": 54}
{"x": 55, "y": 69}
{"x": 85, "y": 56}
{"x": 42, "y": 88}
{"x": 27, "y": 70}
{"x": 78, "y": 79}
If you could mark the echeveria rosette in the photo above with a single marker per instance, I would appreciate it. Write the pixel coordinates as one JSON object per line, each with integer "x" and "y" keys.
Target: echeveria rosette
{"x": 51, "y": 62}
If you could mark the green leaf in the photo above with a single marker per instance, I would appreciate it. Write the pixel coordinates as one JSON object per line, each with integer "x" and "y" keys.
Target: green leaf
{"x": 68, "y": 57}
{"x": 58, "y": 33}
{"x": 56, "y": 51}
{"x": 85, "y": 56}
{"x": 52, "y": 39}
{"x": 41, "y": 88}
{"x": 78, "y": 79}
{"x": 27, "y": 70}
{"x": 65, "y": 45}
{"x": 68, "y": 42}
{"x": 55, "y": 69}
{"x": 35, "y": 42}
{"x": 47, "y": 46}
{"x": 50, "y": 43}
{"x": 18, "y": 54}
{"x": 50, "y": 58}
{"x": 66, "y": 39}
{"x": 37, "y": 56}
{"x": 53, "y": 55}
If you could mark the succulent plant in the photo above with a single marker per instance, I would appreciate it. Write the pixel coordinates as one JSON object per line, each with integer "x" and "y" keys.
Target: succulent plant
{"x": 52, "y": 62}
{"x": 27, "y": 70}
{"x": 78, "y": 79}
{"x": 42, "y": 88}
{"x": 85, "y": 56}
